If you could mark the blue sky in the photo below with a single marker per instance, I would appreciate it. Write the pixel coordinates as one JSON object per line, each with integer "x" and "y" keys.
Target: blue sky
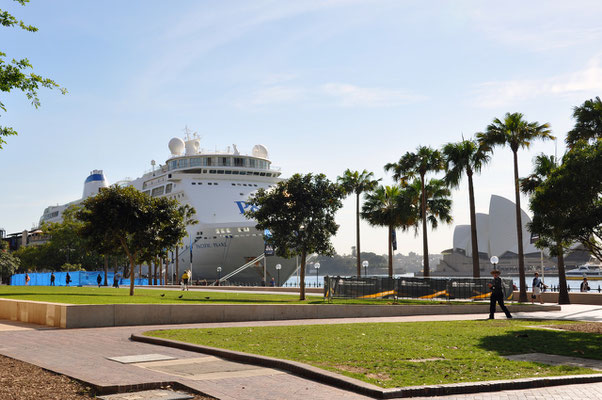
{"x": 324, "y": 85}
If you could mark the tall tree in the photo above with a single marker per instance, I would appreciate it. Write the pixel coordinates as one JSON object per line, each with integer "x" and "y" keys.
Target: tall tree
{"x": 517, "y": 133}
{"x": 466, "y": 157}
{"x": 8, "y": 263}
{"x": 124, "y": 218}
{"x": 358, "y": 183}
{"x": 299, "y": 212}
{"x": 13, "y": 75}
{"x": 410, "y": 165}
{"x": 550, "y": 237}
{"x": 569, "y": 201}
{"x": 588, "y": 122}
{"x": 393, "y": 207}
{"x": 188, "y": 212}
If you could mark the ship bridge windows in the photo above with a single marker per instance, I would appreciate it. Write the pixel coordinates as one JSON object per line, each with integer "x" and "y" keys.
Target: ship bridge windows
{"x": 223, "y": 161}
{"x": 183, "y": 163}
{"x": 158, "y": 191}
{"x": 168, "y": 188}
{"x": 195, "y": 162}
{"x": 239, "y": 161}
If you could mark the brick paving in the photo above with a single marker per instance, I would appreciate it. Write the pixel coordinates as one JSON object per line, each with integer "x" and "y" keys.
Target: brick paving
{"x": 82, "y": 354}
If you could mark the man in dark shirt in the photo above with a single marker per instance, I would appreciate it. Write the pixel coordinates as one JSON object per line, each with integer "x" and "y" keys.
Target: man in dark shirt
{"x": 497, "y": 294}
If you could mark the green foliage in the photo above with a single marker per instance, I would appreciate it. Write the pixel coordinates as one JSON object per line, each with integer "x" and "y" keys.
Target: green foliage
{"x": 393, "y": 207}
{"x": 8, "y": 263}
{"x": 588, "y": 125}
{"x": 418, "y": 164}
{"x": 125, "y": 219}
{"x": 407, "y": 354}
{"x": 299, "y": 213}
{"x": 513, "y": 131}
{"x": 568, "y": 205}
{"x": 13, "y": 74}
{"x": 438, "y": 202}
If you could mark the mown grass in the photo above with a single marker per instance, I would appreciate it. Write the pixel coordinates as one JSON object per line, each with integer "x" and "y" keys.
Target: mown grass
{"x": 109, "y": 295}
{"x": 408, "y": 354}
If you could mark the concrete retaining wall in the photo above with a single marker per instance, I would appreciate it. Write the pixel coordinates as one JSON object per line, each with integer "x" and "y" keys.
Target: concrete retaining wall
{"x": 88, "y": 316}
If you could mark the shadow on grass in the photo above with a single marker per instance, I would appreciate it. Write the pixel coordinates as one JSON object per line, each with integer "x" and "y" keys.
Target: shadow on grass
{"x": 563, "y": 343}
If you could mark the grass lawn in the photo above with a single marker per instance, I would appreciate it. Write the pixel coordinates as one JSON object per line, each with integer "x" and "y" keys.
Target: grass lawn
{"x": 109, "y": 295}
{"x": 407, "y": 354}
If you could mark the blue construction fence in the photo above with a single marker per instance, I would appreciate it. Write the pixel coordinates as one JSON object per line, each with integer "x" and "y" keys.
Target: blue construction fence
{"x": 78, "y": 278}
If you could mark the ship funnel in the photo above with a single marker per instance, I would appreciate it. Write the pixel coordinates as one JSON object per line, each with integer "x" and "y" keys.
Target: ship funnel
{"x": 94, "y": 183}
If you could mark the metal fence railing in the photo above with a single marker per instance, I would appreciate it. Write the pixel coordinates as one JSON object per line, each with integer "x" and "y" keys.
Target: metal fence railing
{"x": 411, "y": 288}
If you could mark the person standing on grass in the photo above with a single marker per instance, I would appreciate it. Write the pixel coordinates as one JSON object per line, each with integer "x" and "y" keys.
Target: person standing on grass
{"x": 52, "y": 278}
{"x": 497, "y": 294}
{"x": 27, "y": 279}
{"x": 67, "y": 279}
{"x": 98, "y": 280}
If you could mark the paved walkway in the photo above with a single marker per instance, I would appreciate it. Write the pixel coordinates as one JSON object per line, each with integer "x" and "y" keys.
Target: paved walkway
{"x": 83, "y": 353}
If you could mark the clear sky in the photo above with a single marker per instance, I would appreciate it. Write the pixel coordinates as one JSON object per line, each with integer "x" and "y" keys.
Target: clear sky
{"x": 325, "y": 85}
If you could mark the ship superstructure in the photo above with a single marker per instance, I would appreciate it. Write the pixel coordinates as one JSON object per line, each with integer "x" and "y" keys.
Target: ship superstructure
{"x": 217, "y": 184}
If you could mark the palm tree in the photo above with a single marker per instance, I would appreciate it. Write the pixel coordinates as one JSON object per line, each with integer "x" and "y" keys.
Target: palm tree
{"x": 543, "y": 168}
{"x": 389, "y": 206}
{"x": 467, "y": 157}
{"x": 419, "y": 164}
{"x": 516, "y": 133}
{"x": 357, "y": 182}
{"x": 188, "y": 212}
{"x": 438, "y": 203}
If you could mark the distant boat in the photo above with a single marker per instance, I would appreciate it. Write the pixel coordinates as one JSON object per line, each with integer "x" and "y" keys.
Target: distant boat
{"x": 588, "y": 270}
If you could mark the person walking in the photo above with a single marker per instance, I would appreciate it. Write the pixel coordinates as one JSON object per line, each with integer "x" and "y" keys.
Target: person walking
{"x": 99, "y": 280}
{"x": 538, "y": 285}
{"x": 27, "y": 278}
{"x": 584, "y": 285}
{"x": 52, "y": 279}
{"x": 185, "y": 281}
{"x": 67, "y": 279}
{"x": 497, "y": 294}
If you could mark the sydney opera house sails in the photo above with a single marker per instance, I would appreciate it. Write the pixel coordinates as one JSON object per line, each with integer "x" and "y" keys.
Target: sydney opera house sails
{"x": 496, "y": 236}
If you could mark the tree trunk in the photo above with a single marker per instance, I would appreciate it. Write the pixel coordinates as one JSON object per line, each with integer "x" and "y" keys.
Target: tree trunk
{"x": 357, "y": 236}
{"x": 177, "y": 265}
{"x": 166, "y": 263}
{"x": 476, "y": 268}
{"x": 563, "y": 295}
{"x": 106, "y": 270}
{"x": 519, "y": 235}
{"x": 425, "y": 243}
{"x": 302, "y": 277}
{"x": 150, "y": 275}
{"x": 390, "y": 242}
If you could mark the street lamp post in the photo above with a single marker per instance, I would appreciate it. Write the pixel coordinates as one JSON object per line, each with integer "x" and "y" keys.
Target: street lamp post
{"x": 317, "y": 267}
{"x": 365, "y": 264}
{"x": 278, "y": 266}
{"x": 219, "y": 274}
{"x": 494, "y": 260}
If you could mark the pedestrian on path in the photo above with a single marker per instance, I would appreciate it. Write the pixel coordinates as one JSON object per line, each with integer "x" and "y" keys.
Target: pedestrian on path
{"x": 116, "y": 281}
{"x": 98, "y": 280}
{"x": 67, "y": 279}
{"x": 497, "y": 294}
{"x": 185, "y": 280}
{"x": 584, "y": 285}
{"x": 52, "y": 278}
{"x": 538, "y": 285}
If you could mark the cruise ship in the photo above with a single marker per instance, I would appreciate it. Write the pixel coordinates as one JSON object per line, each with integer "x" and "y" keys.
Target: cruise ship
{"x": 224, "y": 244}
